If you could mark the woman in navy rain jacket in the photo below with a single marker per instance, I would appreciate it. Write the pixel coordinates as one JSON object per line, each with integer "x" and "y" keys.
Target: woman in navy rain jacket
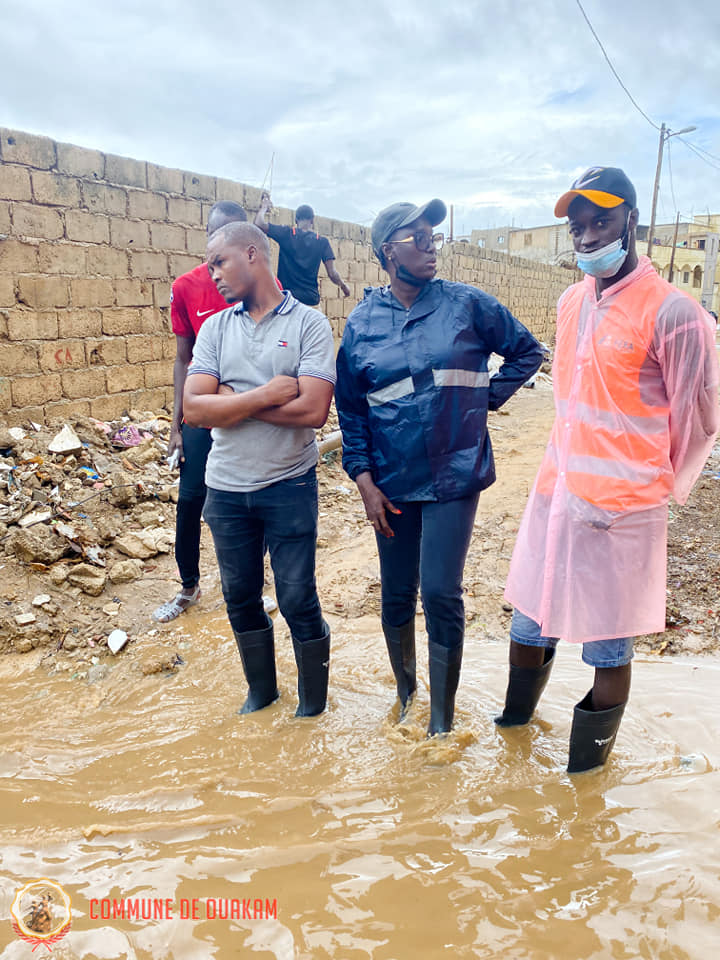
{"x": 412, "y": 396}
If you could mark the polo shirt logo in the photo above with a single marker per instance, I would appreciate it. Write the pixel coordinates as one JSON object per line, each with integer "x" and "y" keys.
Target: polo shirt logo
{"x": 282, "y": 343}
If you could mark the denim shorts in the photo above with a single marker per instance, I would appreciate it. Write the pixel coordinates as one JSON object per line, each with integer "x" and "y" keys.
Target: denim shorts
{"x": 596, "y": 653}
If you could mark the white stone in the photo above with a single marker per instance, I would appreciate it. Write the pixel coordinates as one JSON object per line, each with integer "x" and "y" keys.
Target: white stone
{"x": 41, "y": 599}
{"x": 117, "y": 640}
{"x": 24, "y": 619}
{"x": 67, "y": 441}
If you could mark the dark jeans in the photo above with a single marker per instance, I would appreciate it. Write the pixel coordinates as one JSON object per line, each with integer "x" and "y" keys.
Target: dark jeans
{"x": 428, "y": 550}
{"x": 283, "y": 516}
{"x": 191, "y": 497}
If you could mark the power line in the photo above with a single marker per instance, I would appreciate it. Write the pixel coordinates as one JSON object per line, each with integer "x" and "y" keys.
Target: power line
{"x": 691, "y": 146}
{"x": 615, "y": 73}
{"x": 672, "y": 187}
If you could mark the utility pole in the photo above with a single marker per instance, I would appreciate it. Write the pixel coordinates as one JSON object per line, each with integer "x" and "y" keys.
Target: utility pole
{"x": 452, "y": 220}
{"x": 665, "y": 134}
{"x": 672, "y": 254}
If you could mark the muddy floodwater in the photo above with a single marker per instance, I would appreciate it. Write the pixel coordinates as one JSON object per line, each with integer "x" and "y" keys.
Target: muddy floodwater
{"x": 356, "y": 836}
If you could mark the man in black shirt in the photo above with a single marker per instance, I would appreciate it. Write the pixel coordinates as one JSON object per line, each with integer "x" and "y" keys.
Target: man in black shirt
{"x": 301, "y": 252}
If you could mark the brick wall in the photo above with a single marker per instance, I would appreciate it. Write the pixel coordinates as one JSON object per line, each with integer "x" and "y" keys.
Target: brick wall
{"x": 89, "y": 245}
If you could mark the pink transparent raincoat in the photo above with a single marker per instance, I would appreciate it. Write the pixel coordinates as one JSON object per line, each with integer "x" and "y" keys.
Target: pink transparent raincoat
{"x": 635, "y": 380}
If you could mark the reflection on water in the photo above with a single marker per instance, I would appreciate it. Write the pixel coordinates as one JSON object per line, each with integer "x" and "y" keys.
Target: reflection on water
{"x": 371, "y": 841}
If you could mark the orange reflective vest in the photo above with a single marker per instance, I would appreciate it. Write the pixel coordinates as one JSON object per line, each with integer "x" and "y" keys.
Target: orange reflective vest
{"x": 611, "y": 439}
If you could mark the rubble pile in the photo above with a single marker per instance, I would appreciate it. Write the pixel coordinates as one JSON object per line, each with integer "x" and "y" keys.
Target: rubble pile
{"x": 85, "y": 505}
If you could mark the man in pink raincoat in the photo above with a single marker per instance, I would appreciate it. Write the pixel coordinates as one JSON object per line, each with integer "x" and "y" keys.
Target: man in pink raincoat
{"x": 635, "y": 380}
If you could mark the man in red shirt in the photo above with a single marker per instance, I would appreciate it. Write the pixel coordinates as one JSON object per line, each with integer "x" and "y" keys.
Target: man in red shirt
{"x": 193, "y": 299}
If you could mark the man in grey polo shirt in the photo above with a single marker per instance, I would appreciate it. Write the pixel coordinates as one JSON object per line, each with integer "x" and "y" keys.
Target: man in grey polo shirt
{"x": 262, "y": 377}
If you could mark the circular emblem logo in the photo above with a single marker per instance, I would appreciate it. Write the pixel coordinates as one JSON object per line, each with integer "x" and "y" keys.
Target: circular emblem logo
{"x": 41, "y": 912}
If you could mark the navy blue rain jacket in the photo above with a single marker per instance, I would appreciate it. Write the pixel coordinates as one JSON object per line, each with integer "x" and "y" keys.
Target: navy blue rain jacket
{"x": 413, "y": 389}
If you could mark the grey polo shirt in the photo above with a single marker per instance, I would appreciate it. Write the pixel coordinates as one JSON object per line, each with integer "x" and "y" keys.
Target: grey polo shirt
{"x": 294, "y": 340}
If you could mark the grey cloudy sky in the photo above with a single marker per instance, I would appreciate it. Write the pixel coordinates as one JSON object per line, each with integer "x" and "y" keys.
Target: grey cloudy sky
{"x": 492, "y": 105}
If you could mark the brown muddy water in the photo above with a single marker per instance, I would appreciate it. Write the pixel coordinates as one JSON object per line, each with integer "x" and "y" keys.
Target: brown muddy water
{"x": 366, "y": 840}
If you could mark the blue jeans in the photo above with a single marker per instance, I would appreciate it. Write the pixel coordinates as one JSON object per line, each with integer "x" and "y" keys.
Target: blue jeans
{"x": 596, "y": 653}
{"x": 191, "y": 497}
{"x": 428, "y": 550}
{"x": 283, "y": 516}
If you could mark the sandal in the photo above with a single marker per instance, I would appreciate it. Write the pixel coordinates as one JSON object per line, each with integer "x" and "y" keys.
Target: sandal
{"x": 173, "y": 608}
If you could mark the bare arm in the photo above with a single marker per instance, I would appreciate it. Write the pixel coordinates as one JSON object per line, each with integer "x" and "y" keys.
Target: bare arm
{"x": 205, "y": 406}
{"x": 183, "y": 356}
{"x": 308, "y": 409}
{"x": 265, "y": 206}
{"x": 335, "y": 276}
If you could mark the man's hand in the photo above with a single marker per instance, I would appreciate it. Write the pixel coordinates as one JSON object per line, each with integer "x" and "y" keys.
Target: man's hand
{"x": 376, "y": 504}
{"x": 279, "y": 390}
{"x": 175, "y": 442}
{"x": 265, "y": 202}
{"x": 345, "y": 288}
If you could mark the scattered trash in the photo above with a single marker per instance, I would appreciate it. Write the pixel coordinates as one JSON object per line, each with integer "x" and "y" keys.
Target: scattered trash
{"x": 173, "y": 461}
{"x": 127, "y": 436}
{"x": 117, "y": 640}
{"x": 25, "y": 619}
{"x": 37, "y": 516}
{"x": 41, "y": 599}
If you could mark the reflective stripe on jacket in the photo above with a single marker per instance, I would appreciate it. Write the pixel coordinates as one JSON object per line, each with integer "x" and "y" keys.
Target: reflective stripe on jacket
{"x": 413, "y": 388}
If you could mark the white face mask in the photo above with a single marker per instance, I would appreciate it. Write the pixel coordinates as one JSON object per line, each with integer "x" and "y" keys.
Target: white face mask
{"x": 606, "y": 261}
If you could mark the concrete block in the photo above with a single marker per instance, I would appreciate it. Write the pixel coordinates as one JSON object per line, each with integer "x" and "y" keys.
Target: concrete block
{"x": 144, "y": 349}
{"x": 111, "y": 407}
{"x": 106, "y": 261}
{"x": 182, "y": 263}
{"x": 199, "y": 186}
{"x": 57, "y": 355}
{"x": 161, "y": 293}
{"x": 169, "y": 347}
{"x": 196, "y": 242}
{"x": 22, "y": 417}
{"x": 167, "y": 236}
{"x": 230, "y": 190}
{"x": 154, "y": 320}
{"x": 148, "y": 265}
{"x": 126, "y": 377}
{"x": 91, "y": 292}
{"x": 87, "y": 227}
{"x": 79, "y": 323}
{"x": 82, "y": 383}
{"x": 133, "y": 292}
{"x": 5, "y": 395}
{"x": 124, "y": 232}
{"x": 153, "y": 399}
{"x": 345, "y": 250}
{"x": 356, "y": 270}
{"x": 106, "y": 352}
{"x": 40, "y": 292}
{"x": 27, "y": 148}
{"x": 145, "y": 205}
{"x": 32, "y": 325}
{"x": 79, "y": 162}
{"x": 5, "y": 220}
{"x": 252, "y": 200}
{"x": 65, "y": 409}
{"x": 184, "y": 211}
{"x": 159, "y": 373}
{"x": 17, "y": 256}
{"x": 32, "y": 220}
{"x": 7, "y": 292}
{"x": 27, "y": 391}
{"x": 19, "y": 358}
{"x": 101, "y": 198}
{"x": 164, "y": 179}
{"x": 14, "y": 183}
{"x": 119, "y": 321}
{"x": 61, "y": 257}
{"x": 133, "y": 173}
{"x": 54, "y": 189}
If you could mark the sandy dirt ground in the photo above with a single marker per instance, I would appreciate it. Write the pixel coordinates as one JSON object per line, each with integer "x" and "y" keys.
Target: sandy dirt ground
{"x": 101, "y": 558}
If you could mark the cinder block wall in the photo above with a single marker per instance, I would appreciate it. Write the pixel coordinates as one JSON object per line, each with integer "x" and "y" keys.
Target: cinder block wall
{"x": 89, "y": 245}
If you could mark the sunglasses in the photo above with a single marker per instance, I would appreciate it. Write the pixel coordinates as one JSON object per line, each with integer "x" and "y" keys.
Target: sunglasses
{"x": 424, "y": 242}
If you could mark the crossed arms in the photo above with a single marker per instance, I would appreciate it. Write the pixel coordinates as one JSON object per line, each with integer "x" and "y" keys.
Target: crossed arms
{"x": 284, "y": 401}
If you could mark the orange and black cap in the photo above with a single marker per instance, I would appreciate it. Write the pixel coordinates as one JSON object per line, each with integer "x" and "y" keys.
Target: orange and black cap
{"x": 604, "y": 186}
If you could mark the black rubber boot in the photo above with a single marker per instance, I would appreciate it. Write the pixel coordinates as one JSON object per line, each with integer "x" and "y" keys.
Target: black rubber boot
{"x": 401, "y": 650}
{"x": 525, "y": 687}
{"x": 445, "y": 663}
{"x": 257, "y": 652}
{"x": 592, "y": 735}
{"x": 313, "y": 663}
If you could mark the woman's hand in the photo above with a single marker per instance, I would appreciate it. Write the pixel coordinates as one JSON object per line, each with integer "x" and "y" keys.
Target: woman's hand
{"x": 376, "y": 503}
